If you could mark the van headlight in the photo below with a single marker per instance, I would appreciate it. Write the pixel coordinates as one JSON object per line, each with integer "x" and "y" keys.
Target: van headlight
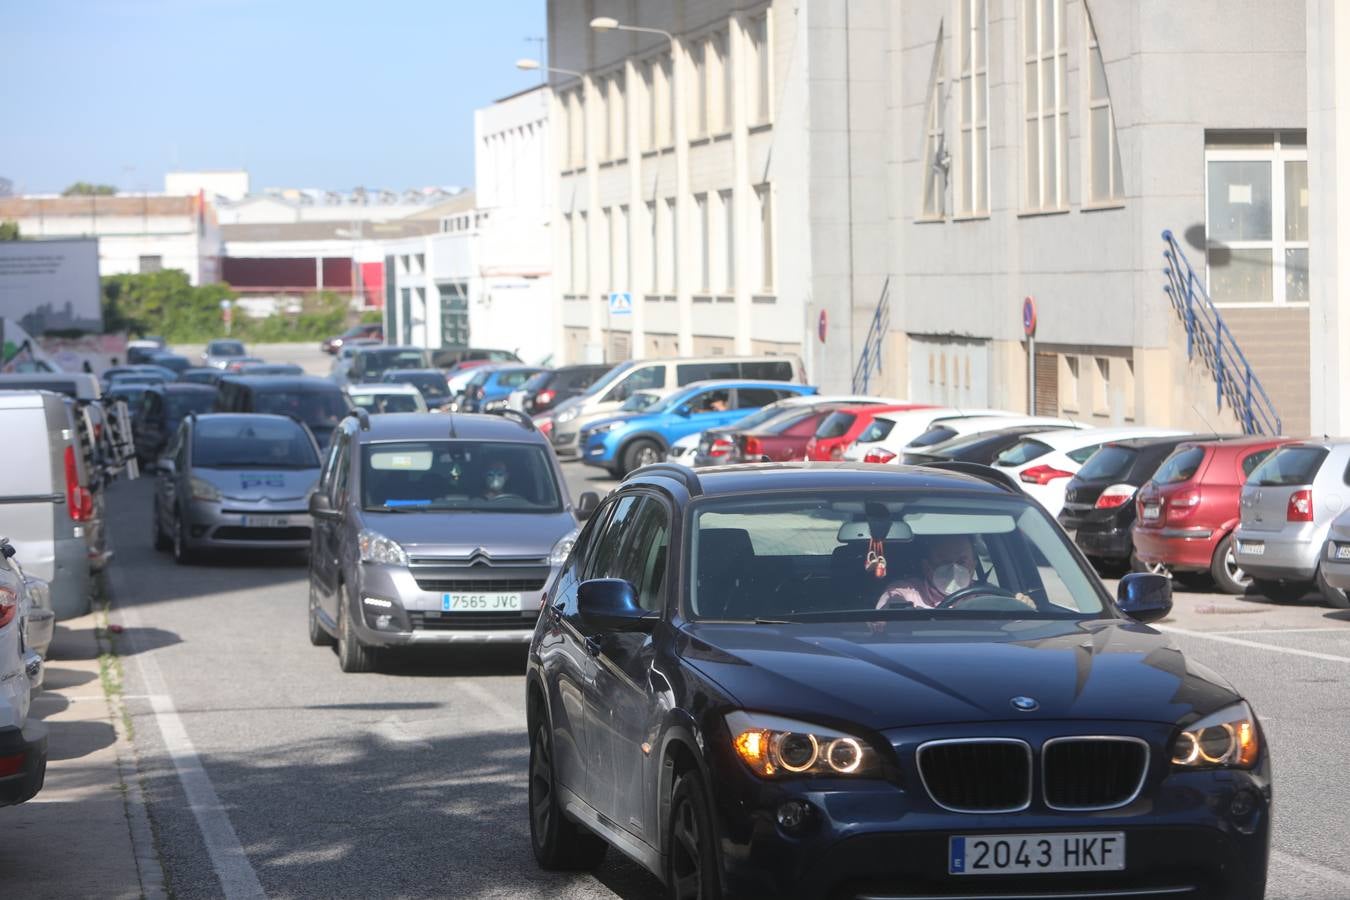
{"x": 1226, "y": 739}
{"x": 782, "y": 748}
{"x": 558, "y": 555}
{"x": 376, "y": 548}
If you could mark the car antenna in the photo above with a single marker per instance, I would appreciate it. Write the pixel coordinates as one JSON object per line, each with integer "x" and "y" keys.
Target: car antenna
{"x": 1208, "y": 424}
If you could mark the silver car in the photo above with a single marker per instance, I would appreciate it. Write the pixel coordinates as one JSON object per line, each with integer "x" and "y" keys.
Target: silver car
{"x": 1336, "y": 561}
{"x": 235, "y": 480}
{"x": 1287, "y": 507}
{"x": 219, "y": 354}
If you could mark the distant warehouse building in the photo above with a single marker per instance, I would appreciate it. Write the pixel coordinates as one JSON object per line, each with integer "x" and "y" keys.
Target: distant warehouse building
{"x": 880, "y": 187}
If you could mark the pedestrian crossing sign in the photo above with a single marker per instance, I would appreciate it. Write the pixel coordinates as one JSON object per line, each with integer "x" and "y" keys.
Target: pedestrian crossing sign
{"x": 620, "y": 303}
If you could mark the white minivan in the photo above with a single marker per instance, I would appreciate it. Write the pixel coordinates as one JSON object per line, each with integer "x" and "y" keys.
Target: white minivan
{"x": 618, "y": 384}
{"x": 45, "y": 501}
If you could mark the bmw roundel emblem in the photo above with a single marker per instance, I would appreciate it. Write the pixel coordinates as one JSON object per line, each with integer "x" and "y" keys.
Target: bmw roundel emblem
{"x": 1024, "y": 704}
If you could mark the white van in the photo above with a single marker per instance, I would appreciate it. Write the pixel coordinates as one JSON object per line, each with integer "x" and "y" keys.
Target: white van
{"x": 609, "y": 393}
{"x": 45, "y": 502}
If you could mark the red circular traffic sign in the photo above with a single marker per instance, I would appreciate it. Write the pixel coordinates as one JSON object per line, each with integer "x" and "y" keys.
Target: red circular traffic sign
{"x": 1029, "y": 316}
{"x": 823, "y": 326}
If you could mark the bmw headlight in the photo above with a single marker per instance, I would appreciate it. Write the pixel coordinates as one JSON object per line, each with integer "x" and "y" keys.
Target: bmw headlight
{"x": 1227, "y": 739}
{"x": 773, "y": 747}
{"x": 203, "y": 489}
{"x": 376, "y": 548}
{"x": 558, "y": 555}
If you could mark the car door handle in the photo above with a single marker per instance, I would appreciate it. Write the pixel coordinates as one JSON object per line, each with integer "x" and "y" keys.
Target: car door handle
{"x": 593, "y": 646}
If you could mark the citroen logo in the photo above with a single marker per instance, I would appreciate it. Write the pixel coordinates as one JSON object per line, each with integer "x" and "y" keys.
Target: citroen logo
{"x": 479, "y": 555}
{"x": 1024, "y": 704}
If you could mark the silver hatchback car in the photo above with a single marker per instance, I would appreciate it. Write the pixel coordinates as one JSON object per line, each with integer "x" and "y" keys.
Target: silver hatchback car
{"x": 235, "y": 480}
{"x": 1287, "y": 507}
{"x": 1336, "y": 561}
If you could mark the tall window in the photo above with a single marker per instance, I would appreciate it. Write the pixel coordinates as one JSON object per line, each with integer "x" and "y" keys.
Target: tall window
{"x": 704, "y": 243}
{"x": 651, "y": 75}
{"x": 764, "y": 202}
{"x": 616, "y": 107}
{"x": 1045, "y": 105}
{"x": 575, "y": 103}
{"x": 972, "y": 160}
{"x": 935, "y": 159}
{"x": 619, "y": 252}
{"x": 699, "y": 108}
{"x": 722, "y": 84}
{"x": 607, "y": 215}
{"x": 1256, "y": 219}
{"x": 582, "y": 266}
{"x": 1103, "y": 152}
{"x": 759, "y": 102}
{"x": 670, "y": 260}
{"x": 653, "y": 248}
{"x": 570, "y": 276}
{"x": 666, "y": 124}
{"x": 728, "y": 208}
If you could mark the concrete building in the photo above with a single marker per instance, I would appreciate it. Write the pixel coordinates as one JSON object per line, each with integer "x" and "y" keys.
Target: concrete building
{"x": 218, "y": 185}
{"x": 878, "y": 187}
{"x": 485, "y": 277}
{"x": 136, "y": 232}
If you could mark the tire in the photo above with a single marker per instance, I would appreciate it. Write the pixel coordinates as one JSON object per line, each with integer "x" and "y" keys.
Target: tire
{"x": 161, "y": 541}
{"x": 317, "y": 636}
{"x": 1335, "y": 597}
{"x": 641, "y": 452}
{"x": 1278, "y": 591}
{"x": 691, "y": 864}
{"x": 183, "y": 554}
{"x": 1227, "y": 574}
{"x": 558, "y": 842}
{"x": 353, "y": 656}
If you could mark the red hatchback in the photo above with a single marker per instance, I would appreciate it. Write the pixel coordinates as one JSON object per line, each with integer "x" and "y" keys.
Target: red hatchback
{"x": 843, "y": 426}
{"x": 1187, "y": 511}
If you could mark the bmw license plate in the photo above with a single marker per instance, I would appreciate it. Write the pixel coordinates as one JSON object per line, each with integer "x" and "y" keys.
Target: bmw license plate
{"x": 1252, "y": 548}
{"x": 1152, "y": 510}
{"x": 480, "y": 603}
{"x": 266, "y": 521}
{"x": 1001, "y": 854}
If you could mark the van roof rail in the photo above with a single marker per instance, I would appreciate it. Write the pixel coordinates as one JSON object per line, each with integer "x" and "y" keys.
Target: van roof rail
{"x": 686, "y": 476}
{"x": 987, "y": 474}
{"x": 362, "y": 417}
{"x": 516, "y": 416}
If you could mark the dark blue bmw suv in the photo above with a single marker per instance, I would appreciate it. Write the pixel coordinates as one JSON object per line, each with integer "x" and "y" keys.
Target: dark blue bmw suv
{"x": 847, "y": 681}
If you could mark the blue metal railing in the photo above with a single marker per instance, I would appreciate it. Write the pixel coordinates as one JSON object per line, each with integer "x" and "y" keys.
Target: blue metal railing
{"x": 869, "y": 361}
{"x": 1208, "y": 335}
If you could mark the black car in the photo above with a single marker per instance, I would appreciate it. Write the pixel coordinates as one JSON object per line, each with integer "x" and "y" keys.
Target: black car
{"x": 549, "y": 388}
{"x": 1099, "y": 508}
{"x": 317, "y": 402}
{"x": 201, "y": 375}
{"x": 172, "y": 361}
{"x": 430, "y": 383}
{"x": 983, "y": 447}
{"x": 713, "y": 691}
{"x": 162, "y": 408}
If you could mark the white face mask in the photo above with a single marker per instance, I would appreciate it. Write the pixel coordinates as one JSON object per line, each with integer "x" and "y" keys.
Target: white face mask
{"x": 496, "y": 481}
{"x": 951, "y": 577}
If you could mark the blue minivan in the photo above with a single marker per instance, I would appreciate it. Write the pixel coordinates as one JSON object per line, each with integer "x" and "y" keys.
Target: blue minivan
{"x": 624, "y": 443}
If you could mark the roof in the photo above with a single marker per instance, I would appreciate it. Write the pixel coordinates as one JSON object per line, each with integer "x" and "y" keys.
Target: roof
{"x": 289, "y": 382}
{"x": 458, "y": 426}
{"x": 327, "y": 231}
{"x": 17, "y": 399}
{"x": 382, "y": 387}
{"x": 1144, "y": 442}
{"x": 181, "y": 387}
{"x": 1069, "y": 438}
{"x": 119, "y": 205}
{"x": 808, "y": 476}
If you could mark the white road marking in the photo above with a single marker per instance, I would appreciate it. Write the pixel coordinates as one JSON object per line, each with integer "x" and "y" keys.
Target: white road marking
{"x": 238, "y": 881}
{"x": 1345, "y": 631}
{"x": 1302, "y": 863}
{"x": 1240, "y": 642}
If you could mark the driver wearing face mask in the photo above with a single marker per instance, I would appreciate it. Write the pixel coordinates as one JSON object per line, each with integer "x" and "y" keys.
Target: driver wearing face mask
{"x": 948, "y": 566}
{"x": 494, "y": 479}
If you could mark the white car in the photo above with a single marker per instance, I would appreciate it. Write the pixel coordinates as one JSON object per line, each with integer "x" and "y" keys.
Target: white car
{"x": 1044, "y": 463}
{"x": 342, "y": 362}
{"x": 683, "y": 451}
{"x": 382, "y": 397}
{"x": 886, "y": 439}
{"x": 23, "y": 740}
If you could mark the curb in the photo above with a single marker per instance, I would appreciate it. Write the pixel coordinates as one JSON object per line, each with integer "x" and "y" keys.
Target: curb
{"x": 143, "y": 843}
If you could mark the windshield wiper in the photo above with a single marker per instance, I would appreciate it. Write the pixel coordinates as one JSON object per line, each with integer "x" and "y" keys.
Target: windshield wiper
{"x": 759, "y": 621}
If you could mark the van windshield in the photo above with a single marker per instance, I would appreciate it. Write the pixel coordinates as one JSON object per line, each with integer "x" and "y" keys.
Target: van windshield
{"x": 472, "y": 476}
{"x": 310, "y": 407}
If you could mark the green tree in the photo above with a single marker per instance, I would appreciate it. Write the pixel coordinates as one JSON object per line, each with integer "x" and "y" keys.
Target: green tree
{"x": 9, "y": 231}
{"x": 85, "y": 189}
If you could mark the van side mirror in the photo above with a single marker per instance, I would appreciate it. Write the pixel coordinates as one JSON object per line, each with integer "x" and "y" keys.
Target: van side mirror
{"x": 587, "y": 504}
{"x": 320, "y": 507}
{"x": 1144, "y": 597}
{"x": 610, "y": 604}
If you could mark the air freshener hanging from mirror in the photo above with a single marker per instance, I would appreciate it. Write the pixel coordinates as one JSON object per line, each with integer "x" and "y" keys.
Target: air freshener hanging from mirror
{"x": 876, "y": 559}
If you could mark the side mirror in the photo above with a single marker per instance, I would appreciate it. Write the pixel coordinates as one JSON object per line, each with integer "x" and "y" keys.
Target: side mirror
{"x": 610, "y": 604}
{"x": 1144, "y": 597}
{"x": 587, "y": 504}
{"x": 320, "y": 507}
{"x": 685, "y": 410}
{"x": 165, "y": 465}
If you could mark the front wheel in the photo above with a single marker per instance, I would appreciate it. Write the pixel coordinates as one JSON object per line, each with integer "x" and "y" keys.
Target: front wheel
{"x": 1224, "y": 569}
{"x": 1334, "y": 596}
{"x": 317, "y": 636}
{"x": 642, "y": 452}
{"x": 353, "y": 656}
{"x": 558, "y": 842}
{"x": 691, "y": 864}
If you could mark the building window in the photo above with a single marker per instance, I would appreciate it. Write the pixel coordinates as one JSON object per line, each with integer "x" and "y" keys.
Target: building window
{"x": 651, "y": 75}
{"x": 727, "y": 203}
{"x": 671, "y": 258}
{"x": 570, "y": 276}
{"x": 618, "y": 252}
{"x": 666, "y": 121}
{"x": 583, "y": 260}
{"x": 1068, "y": 383}
{"x": 1256, "y": 221}
{"x": 760, "y": 101}
{"x": 1125, "y": 379}
{"x": 720, "y": 103}
{"x": 935, "y": 158}
{"x": 972, "y": 162}
{"x": 704, "y": 243}
{"x": 1045, "y": 106}
{"x": 1101, "y": 386}
{"x": 653, "y": 248}
{"x": 607, "y": 216}
{"x": 764, "y": 202}
{"x": 699, "y": 108}
{"x": 616, "y": 117}
{"x": 575, "y": 104}
{"x": 151, "y": 264}
{"x": 1104, "y": 178}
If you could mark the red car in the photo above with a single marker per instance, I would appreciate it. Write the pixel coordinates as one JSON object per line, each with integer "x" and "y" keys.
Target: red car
{"x": 782, "y": 439}
{"x": 842, "y": 428}
{"x": 1187, "y": 511}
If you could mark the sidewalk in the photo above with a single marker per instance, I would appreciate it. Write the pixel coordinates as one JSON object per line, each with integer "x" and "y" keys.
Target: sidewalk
{"x": 74, "y": 838}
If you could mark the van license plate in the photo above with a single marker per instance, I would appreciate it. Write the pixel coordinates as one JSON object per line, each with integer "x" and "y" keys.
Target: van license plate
{"x": 1001, "y": 854}
{"x": 1252, "y": 548}
{"x": 266, "y": 521}
{"x": 480, "y": 603}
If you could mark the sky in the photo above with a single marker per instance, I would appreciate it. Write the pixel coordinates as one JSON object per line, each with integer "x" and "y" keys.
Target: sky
{"x": 330, "y": 94}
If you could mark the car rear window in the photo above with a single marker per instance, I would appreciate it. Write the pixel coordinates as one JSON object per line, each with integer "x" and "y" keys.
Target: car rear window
{"x": 836, "y": 424}
{"x": 1108, "y": 464}
{"x": 1251, "y": 461}
{"x": 1024, "y": 451}
{"x": 877, "y": 431}
{"x": 1083, "y": 454}
{"x": 1289, "y": 465}
{"x": 935, "y": 435}
{"x": 1180, "y": 466}
{"x": 537, "y": 382}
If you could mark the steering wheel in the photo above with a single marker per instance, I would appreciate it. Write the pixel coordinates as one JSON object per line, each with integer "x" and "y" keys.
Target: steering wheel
{"x": 501, "y": 497}
{"x": 1003, "y": 599}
